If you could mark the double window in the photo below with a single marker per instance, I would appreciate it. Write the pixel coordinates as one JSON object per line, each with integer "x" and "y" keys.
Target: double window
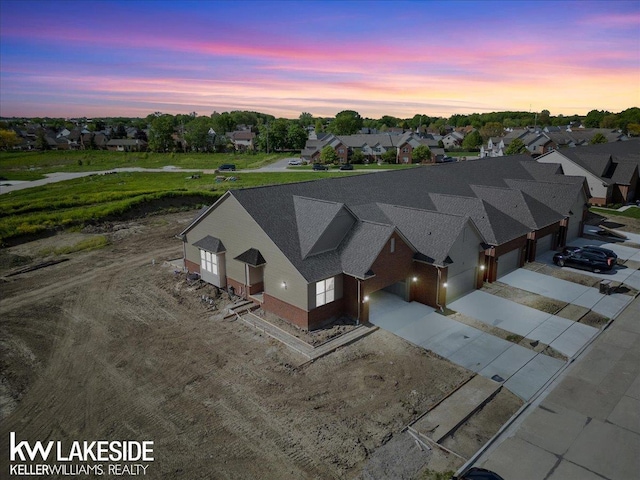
{"x": 209, "y": 262}
{"x": 325, "y": 291}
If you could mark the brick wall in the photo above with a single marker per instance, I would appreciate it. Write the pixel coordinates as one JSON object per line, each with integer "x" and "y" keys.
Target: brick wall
{"x": 424, "y": 289}
{"x": 390, "y": 267}
{"x": 287, "y": 311}
{"x": 192, "y": 266}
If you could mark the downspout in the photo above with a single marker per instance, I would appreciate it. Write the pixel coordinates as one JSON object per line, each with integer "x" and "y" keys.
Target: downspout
{"x": 438, "y": 290}
{"x": 184, "y": 254}
{"x": 359, "y": 300}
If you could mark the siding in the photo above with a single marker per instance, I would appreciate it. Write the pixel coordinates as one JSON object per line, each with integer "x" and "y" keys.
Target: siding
{"x": 231, "y": 223}
{"x": 569, "y": 168}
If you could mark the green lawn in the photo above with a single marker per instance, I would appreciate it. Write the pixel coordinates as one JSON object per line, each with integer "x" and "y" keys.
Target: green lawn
{"x": 371, "y": 166}
{"x": 32, "y": 165}
{"x": 463, "y": 154}
{"x": 93, "y": 198}
{"x": 633, "y": 212}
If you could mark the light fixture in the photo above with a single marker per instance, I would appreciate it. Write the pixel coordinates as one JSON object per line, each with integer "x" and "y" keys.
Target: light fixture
{"x": 365, "y": 299}
{"x": 481, "y": 267}
{"x": 284, "y": 285}
{"x": 415, "y": 279}
{"x": 444, "y": 284}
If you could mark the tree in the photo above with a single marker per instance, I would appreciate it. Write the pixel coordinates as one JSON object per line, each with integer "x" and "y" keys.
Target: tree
{"x": 160, "y": 134}
{"x": 491, "y": 129}
{"x": 328, "y": 155}
{"x": 8, "y": 139}
{"x": 346, "y": 122}
{"x": 515, "y": 147}
{"x": 598, "y": 138}
{"x": 319, "y": 126}
{"x": 306, "y": 119}
{"x": 633, "y": 129}
{"x": 357, "y": 157}
{"x": 296, "y": 136}
{"x": 197, "y": 134}
{"x": 421, "y": 154}
{"x": 544, "y": 118}
{"x": 223, "y": 123}
{"x": 472, "y": 141}
{"x": 593, "y": 118}
{"x": 390, "y": 156}
{"x": 609, "y": 121}
{"x": 41, "y": 140}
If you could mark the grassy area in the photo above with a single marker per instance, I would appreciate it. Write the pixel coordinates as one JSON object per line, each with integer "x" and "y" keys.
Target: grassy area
{"x": 96, "y": 197}
{"x": 633, "y": 212}
{"x": 463, "y": 154}
{"x": 32, "y": 165}
{"x": 85, "y": 245}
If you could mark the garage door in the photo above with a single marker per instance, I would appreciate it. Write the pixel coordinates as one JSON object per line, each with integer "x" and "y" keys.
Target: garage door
{"x": 399, "y": 289}
{"x": 508, "y": 262}
{"x": 544, "y": 244}
{"x": 461, "y": 284}
{"x": 573, "y": 231}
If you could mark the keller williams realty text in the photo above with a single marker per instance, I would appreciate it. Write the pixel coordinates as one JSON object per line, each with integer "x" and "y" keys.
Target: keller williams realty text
{"x": 51, "y": 458}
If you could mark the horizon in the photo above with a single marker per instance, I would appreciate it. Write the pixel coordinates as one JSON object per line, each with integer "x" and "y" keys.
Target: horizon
{"x": 134, "y": 58}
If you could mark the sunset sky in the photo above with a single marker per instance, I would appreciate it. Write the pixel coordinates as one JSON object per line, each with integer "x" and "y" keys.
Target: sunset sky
{"x": 132, "y": 58}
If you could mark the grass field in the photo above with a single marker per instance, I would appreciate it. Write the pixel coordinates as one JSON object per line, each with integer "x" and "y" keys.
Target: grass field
{"x": 371, "y": 166}
{"x": 97, "y": 197}
{"x": 32, "y": 165}
{"x": 633, "y": 212}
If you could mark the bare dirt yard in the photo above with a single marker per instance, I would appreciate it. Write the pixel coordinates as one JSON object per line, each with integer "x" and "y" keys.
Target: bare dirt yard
{"x": 113, "y": 345}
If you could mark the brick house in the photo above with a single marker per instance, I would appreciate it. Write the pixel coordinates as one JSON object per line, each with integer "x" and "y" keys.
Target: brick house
{"x": 311, "y": 251}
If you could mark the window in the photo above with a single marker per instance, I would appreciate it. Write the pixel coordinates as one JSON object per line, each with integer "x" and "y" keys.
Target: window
{"x": 405, "y": 150}
{"x": 393, "y": 245}
{"x": 209, "y": 262}
{"x": 324, "y": 292}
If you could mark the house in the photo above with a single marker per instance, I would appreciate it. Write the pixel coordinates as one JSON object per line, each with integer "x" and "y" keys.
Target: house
{"x": 311, "y": 251}
{"x": 242, "y": 140}
{"x": 126, "y": 145}
{"x": 453, "y": 140}
{"x": 494, "y": 148}
{"x": 610, "y": 169}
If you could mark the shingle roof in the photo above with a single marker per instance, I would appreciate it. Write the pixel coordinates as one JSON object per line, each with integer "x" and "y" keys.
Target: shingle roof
{"x": 407, "y": 200}
{"x": 252, "y": 256}
{"x": 363, "y": 245}
{"x": 210, "y": 244}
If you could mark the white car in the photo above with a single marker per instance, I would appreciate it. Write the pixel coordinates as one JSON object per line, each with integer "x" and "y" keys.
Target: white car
{"x": 295, "y": 161}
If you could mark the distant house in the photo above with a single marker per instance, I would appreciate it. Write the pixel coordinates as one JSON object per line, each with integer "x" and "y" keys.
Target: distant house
{"x": 242, "y": 139}
{"x": 494, "y": 148}
{"x": 313, "y": 251}
{"x": 453, "y": 140}
{"x": 126, "y": 145}
{"x": 611, "y": 169}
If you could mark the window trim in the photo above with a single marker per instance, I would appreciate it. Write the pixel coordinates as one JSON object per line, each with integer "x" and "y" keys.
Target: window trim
{"x": 209, "y": 262}
{"x": 325, "y": 291}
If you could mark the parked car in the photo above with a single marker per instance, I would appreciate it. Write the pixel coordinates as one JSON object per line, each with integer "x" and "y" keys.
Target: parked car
{"x": 319, "y": 166}
{"x": 590, "y": 257}
{"x": 475, "y": 473}
{"x": 295, "y": 161}
{"x": 346, "y": 166}
{"x": 227, "y": 167}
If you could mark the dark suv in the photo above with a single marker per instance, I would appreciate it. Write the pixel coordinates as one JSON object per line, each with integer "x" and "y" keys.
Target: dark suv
{"x": 590, "y": 257}
{"x": 319, "y": 166}
{"x": 227, "y": 167}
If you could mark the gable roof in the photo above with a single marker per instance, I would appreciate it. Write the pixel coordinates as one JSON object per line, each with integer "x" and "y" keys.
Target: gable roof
{"x": 252, "y": 257}
{"x": 362, "y": 247}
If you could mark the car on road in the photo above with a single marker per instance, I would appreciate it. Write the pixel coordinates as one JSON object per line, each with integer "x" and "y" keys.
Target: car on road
{"x": 590, "y": 257}
{"x": 346, "y": 166}
{"x": 295, "y": 161}
{"x": 319, "y": 166}
{"x": 227, "y": 167}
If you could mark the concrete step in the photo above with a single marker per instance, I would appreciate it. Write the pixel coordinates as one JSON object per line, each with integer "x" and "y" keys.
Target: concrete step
{"x": 453, "y": 411}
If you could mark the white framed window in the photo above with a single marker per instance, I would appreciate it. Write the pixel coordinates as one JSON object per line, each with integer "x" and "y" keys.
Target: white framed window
{"x": 325, "y": 291}
{"x": 209, "y": 262}
{"x": 393, "y": 245}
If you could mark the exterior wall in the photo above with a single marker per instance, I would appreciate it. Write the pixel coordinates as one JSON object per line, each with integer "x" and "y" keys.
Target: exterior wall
{"x": 344, "y": 156}
{"x": 464, "y": 251}
{"x": 390, "y": 267}
{"x": 495, "y": 253}
{"x": 402, "y": 155}
{"x": 192, "y": 266}
{"x": 425, "y": 288}
{"x": 295, "y": 315}
{"x": 543, "y": 232}
{"x": 337, "y": 291}
{"x": 230, "y": 222}
{"x": 569, "y": 168}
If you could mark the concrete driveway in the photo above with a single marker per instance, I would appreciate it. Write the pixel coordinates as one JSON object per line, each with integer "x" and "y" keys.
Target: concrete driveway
{"x": 621, "y": 273}
{"x": 524, "y": 371}
{"x": 569, "y": 292}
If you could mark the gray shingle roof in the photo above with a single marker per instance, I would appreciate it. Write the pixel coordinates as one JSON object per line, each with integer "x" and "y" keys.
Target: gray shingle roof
{"x": 363, "y": 245}
{"x": 313, "y": 217}
{"x": 210, "y": 244}
{"x": 252, "y": 256}
{"x": 405, "y": 195}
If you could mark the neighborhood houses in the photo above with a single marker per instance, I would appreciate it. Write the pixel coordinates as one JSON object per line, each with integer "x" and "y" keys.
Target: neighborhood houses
{"x": 312, "y": 251}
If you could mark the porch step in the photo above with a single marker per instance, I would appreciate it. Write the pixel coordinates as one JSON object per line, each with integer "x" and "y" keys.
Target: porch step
{"x": 239, "y": 308}
{"x": 456, "y": 409}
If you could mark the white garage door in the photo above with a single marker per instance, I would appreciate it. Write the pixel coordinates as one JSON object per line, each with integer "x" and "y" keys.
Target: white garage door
{"x": 544, "y": 244}
{"x": 508, "y": 262}
{"x": 460, "y": 284}
{"x": 573, "y": 231}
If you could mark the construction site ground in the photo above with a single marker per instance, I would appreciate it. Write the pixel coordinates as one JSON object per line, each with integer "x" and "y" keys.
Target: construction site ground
{"x": 112, "y": 344}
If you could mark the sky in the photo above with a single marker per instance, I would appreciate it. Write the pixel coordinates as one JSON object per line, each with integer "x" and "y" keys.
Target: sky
{"x": 437, "y": 58}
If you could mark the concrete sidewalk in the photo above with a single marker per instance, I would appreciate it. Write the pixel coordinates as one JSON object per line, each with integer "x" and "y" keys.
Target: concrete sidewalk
{"x": 586, "y": 424}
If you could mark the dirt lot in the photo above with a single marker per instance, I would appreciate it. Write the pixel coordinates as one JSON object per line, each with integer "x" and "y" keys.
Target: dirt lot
{"x": 111, "y": 345}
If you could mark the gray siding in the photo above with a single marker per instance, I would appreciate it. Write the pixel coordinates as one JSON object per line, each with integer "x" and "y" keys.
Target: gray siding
{"x": 231, "y": 223}
{"x": 465, "y": 251}
{"x": 569, "y": 168}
